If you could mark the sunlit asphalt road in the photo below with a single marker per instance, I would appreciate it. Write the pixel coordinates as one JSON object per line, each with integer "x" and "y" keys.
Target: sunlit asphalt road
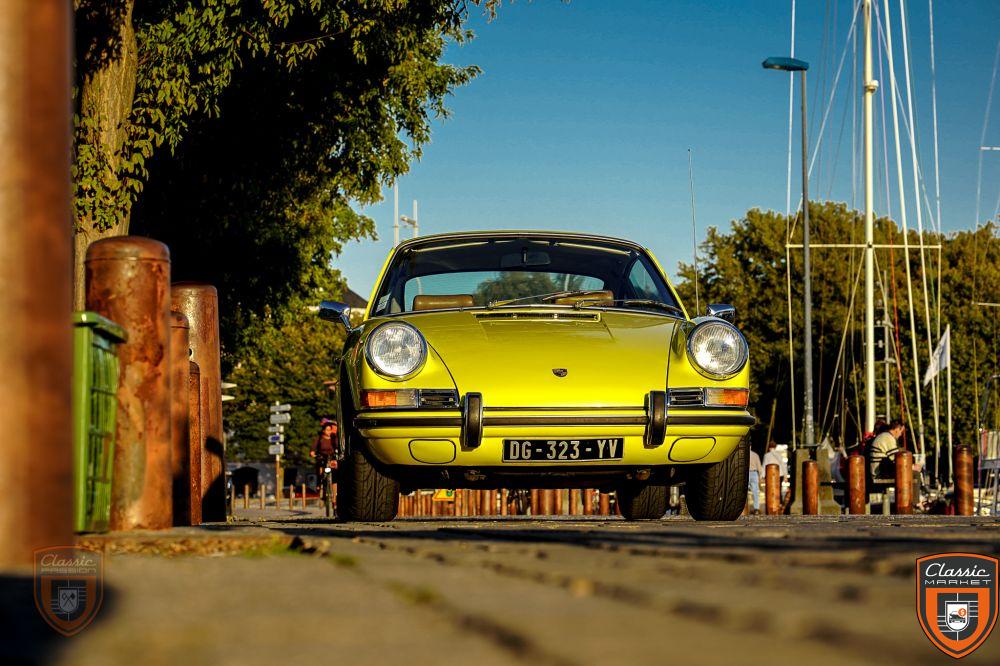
{"x": 282, "y": 587}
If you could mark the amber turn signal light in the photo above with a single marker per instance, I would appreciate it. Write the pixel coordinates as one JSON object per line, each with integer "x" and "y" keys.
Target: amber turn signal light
{"x": 384, "y": 399}
{"x": 726, "y": 397}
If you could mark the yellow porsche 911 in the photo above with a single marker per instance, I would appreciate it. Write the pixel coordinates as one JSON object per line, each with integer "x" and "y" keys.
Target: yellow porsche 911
{"x": 539, "y": 359}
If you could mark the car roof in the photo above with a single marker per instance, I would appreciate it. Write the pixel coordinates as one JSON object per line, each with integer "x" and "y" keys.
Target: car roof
{"x": 494, "y": 234}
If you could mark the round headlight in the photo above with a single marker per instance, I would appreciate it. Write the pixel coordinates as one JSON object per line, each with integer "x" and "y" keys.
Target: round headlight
{"x": 717, "y": 349}
{"x": 396, "y": 349}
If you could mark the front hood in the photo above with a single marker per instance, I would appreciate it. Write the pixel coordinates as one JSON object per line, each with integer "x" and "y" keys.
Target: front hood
{"x": 610, "y": 358}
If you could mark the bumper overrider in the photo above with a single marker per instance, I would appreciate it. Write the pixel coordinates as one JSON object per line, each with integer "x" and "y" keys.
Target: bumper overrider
{"x": 472, "y": 433}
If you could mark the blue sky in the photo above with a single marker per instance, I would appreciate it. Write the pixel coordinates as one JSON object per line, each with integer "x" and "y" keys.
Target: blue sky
{"x": 585, "y": 111}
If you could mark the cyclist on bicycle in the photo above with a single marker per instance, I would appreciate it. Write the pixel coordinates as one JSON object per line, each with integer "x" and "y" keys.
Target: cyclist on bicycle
{"x": 324, "y": 449}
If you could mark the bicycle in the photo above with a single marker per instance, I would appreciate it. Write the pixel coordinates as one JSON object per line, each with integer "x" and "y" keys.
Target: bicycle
{"x": 327, "y": 464}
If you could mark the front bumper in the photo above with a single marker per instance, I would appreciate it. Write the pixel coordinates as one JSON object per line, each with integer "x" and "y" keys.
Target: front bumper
{"x": 441, "y": 438}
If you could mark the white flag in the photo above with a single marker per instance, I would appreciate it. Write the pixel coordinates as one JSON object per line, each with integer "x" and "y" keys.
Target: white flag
{"x": 941, "y": 357}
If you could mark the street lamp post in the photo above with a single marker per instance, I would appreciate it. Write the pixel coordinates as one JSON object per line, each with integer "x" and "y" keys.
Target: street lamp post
{"x": 412, "y": 221}
{"x": 796, "y": 65}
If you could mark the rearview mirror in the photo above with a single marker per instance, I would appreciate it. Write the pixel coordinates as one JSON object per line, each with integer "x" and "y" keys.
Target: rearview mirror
{"x": 722, "y": 311}
{"x": 335, "y": 311}
{"x": 525, "y": 258}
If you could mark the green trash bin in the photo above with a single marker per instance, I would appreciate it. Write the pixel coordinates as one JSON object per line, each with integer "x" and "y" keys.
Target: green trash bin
{"x": 95, "y": 406}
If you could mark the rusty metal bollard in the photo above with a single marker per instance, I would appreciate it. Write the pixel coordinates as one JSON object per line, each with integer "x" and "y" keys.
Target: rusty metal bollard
{"x": 246, "y": 495}
{"x": 180, "y": 428}
{"x": 200, "y": 304}
{"x": 36, "y": 353}
{"x": 604, "y": 504}
{"x": 904, "y": 483}
{"x": 858, "y": 495}
{"x": 291, "y": 497}
{"x": 588, "y": 501}
{"x": 128, "y": 281}
{"x": 557, "y": 507}
{"x": 574, "y": 501}
{"x": 303, "y": 495}
{"x": 263, "y": 495}
{"x": 194, "y": 442}
{"x": 772, "y": 489}
{"x": 810, "y": 488}
{"x": 963, "y": 480}
{"x": 504, "y": 501}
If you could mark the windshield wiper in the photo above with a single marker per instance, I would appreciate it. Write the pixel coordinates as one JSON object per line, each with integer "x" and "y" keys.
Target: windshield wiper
{"x": 584, "y": 303}
{"x": 541, "y": 297}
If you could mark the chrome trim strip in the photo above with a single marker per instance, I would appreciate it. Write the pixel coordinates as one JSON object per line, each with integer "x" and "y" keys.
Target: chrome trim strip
{"x": 743, "y": 419}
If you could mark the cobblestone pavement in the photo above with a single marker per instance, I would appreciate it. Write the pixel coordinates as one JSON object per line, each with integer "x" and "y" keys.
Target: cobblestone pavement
{"x": 290, "y": 587}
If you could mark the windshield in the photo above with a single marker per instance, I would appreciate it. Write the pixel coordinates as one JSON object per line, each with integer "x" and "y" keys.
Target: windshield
{"x": 458, "y": 273}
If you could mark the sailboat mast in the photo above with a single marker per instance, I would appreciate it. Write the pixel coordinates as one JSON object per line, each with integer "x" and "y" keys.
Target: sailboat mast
{"x": 870, "y": 86}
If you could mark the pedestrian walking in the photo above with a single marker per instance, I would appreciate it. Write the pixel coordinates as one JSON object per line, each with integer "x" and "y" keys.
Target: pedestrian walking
{"x": 756, "y": 474}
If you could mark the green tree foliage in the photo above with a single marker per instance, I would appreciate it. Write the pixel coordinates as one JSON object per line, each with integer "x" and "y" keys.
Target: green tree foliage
{"x": 358, "y": 79}
{"x": 746, "y": 267}
{"x": 521, "y": 284}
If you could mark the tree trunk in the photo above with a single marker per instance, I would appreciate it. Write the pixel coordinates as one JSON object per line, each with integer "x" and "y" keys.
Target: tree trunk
{"x": 105, "y": 99}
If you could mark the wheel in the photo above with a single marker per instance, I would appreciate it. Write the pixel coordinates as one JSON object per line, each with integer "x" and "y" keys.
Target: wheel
{"x": 364, "y": 493}
{"x": 719, "y": 491}
{"x": 647, "y": 501}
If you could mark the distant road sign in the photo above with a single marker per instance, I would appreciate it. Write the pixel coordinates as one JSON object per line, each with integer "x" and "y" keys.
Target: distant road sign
{"x": 277, "y": 409}
{"x": 276, "y": 449}
{"x": 276, "y": 428}
{"x": 280, "y": 418}
{"x": 276, "y": 439}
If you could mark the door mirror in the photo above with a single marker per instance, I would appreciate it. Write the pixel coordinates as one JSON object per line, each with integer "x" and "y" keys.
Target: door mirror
{"x": 334, "y": 311}
{"x": 722, "y": 311}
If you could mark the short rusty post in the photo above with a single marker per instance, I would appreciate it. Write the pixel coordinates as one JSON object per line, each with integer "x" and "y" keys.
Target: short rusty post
{"x": 557, "y": 503}
{"x": 904, "y": 483}
{"x": 194, "y": 442}
{"x": 232, "y": 496}
{"x": 772, "y": 489}
{"x": 810, "y": 488}
{"x": 504, "y": 501}
{"x": 263, "y": 494}
{"x": 536, "y": 502}
{"x": 574, "y": 502}
{"x": 246, "y": 495}
{"x": 291, "y": 497}
{"x": 858, "y": 496}
{"x": 486, "y": 497}
{"x": 963, "y": 480}
{"x": 180, "y": 428}
{"x": 200, "y": 304}
{"x": 588, "y": 501}
{"x": 36, "y": 353}
{"x": 303, "y": 495}
{"x": 605, "y": 504}
{"x": 128, "y": 281}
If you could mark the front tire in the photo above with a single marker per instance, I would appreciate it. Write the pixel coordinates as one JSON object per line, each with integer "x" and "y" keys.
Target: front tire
{"x": 719, "y": 491}
{"x": 647, "y": 501}
{"x": 364, "y": 493}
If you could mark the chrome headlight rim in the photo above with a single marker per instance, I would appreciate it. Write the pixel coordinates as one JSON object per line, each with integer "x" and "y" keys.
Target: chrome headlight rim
{"x": 382, "y": 372}
{"x": 744, "y": 355}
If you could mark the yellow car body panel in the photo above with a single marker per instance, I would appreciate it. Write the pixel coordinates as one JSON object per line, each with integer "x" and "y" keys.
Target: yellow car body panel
{"x": 613, "y": 358}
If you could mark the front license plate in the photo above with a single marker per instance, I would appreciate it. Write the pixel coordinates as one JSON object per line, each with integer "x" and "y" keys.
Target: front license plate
{"x": 562, "y": 450}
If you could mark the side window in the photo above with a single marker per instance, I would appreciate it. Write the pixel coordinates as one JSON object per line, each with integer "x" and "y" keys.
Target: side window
{"x": 642, "y": 283}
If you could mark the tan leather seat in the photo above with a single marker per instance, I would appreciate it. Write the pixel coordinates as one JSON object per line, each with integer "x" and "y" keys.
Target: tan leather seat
{"x": 442, "y": 301}
{"x": 590, "y": 298}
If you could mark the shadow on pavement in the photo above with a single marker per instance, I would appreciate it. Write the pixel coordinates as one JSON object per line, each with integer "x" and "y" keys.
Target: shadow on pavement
{"x": 25, "y": 638}
{"x": 757, "y": 535}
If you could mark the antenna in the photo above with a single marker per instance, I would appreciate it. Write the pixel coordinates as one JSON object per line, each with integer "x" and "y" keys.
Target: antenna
{"x": 694, "y": 232}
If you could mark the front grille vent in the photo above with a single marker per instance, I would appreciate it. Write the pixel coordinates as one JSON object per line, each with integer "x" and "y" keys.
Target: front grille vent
{"x": 438, "y": 398}
{"x": 539, "y": 316}
{"x": 686, "y": 397}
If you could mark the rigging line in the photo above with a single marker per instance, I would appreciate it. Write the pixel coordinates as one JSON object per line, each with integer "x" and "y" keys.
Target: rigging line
{"x": 840, "y": 350}
{"x": 982, "y": 136}
{"x": 694, "y": 232}
{"x": 904, "y": 405}
{"x": 934, "y": 114}
{"x": 885, "y": 133}
{"x": 833, "y": 90}
{"x": 904, "y": 21}
{"x": 836, "y": 154}
{"x": 975, "y": 236}
{"x": 791, "y": 98}
{"x": 791, "y": 347}
{"x": 902, "y": 209}
{"x": 854, "y": 124}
